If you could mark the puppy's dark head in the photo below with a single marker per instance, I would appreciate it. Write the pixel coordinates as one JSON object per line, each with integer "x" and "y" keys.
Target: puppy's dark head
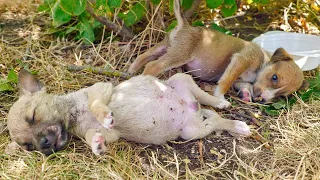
{"x": 280, "y": 77}
{"x": 35, "y": 121}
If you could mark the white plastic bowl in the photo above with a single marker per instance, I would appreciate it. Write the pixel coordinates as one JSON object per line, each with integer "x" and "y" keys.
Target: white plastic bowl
{"x": 304, "y": 48}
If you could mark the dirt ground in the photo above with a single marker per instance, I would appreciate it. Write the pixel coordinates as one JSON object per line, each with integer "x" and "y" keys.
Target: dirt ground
{"x": 280, "y": 147}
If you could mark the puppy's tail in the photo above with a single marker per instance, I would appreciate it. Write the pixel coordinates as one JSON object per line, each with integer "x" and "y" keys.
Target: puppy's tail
{"x": 177, "y": 13}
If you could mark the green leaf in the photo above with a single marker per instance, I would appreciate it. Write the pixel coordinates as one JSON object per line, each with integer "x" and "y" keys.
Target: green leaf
{"x": 73, "y": 7}
{"x": 228, "y": 10}
{"x": 198, "y": 23}
{"x": 59, "y": 16}
{"x": 262, "y": 2}
{"x": 221, "y": 29}
{"x": 171, "y": 6}
{"x": 114, "y": 3}
{"x": 269, "y": 110}
{"x": 86, "y": 31}
{"x": 12, "y": 76}
{"x": 186, "y": 4}
{"x": 229, "y": 2}
{"x": 172, "y": 25}
{"x": 101, "y": 3}
{"x": 46, "y": 6}
{"x": 5, "y": 85}
{"x": 134, "y": 15}
{"x": 279, "y": 105}
{"x": 72, "y": 29}
{"x": 212, "y": 4}
{"x": 156, "y": 2}
{"x": 96, "y": 24}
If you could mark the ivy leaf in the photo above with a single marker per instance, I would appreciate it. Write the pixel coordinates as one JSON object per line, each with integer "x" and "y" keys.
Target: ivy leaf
{"x": 221, "y": 29}
{"x": 172, "y": 25}
{"x": 279, "y": 105}
{"x": 212, "y": 4}
{"x": 229, "y": 2}
{"x": 5, "y": 85}
{"x": 101, "y": 3}
{"x": 59, "y": 16}
{"x": 12, "y": 76}
{"x": 198, "y": 23}
{"x": 171, "y": 6}
{"x": 73, "y": 7}
{"x": 72, "y": 29}
{"x": 86, "y": 31}
{"x": 46, "y": 6}
{"x": 114, "y": 3}
{"x": 269, "y": 110}
{"x": 262, "y": 2}
{"x": 156, "y": 2}
{"x": 228, "y": 10}
{"x": 186, "y": 4}
{"x": 134, "y": 15}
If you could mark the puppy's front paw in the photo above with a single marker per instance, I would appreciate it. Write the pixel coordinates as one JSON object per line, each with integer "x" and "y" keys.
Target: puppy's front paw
{"x": 98, "y": 144}
{"x": 245, "y": 95}
{"x": 223, "y": 104}
{"x": 132, "y": 69}
{"x": 242, "y": 128}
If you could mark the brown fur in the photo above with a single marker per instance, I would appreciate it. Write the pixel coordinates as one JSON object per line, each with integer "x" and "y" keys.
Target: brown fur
{"x": 213, "y": 56}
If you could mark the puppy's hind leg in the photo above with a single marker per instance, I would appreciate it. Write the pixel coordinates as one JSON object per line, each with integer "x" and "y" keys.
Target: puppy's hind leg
{"x": 198, "y": 128}
{"x": 187, "y": 82}
{"x": 99, "y": 96}
{"x": 152, "y": 54}
{"x": 175, "y": 57}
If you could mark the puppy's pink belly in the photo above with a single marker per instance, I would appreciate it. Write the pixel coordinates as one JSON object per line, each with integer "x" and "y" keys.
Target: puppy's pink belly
{"x": 203, "y": 71}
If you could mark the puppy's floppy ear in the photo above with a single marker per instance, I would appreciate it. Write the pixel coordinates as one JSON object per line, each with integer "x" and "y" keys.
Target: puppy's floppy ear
{"x": 280, "y": 55}
{"x": 28, "y": 83}
{"x": 304, "y": 86}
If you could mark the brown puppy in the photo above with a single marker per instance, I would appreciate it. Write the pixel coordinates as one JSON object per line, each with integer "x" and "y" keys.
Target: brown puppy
{"x": 214, "y": 56}
{"x": 145, "y": 110}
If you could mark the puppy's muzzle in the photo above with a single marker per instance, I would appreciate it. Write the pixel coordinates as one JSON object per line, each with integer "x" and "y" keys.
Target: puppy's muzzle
{"x": 53, "y": 139}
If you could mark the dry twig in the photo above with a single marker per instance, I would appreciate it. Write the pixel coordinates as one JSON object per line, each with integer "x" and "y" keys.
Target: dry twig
{"x": 108, "y": 72}
{"x": 120, "y": 29}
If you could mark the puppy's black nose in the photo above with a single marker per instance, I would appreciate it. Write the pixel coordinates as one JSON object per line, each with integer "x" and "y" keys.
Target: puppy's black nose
{"x": 45, "y": 143}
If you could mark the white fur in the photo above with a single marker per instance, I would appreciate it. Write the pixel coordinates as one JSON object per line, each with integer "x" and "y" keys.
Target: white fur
{"x": 268, "y": 94}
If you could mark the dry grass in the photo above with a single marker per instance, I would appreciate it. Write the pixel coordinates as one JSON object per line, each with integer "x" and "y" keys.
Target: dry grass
{"x": 289, "y": 149}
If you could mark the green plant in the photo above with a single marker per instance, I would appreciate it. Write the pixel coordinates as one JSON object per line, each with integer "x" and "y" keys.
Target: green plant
{"x": 7, "y": 82}
{"x": 73, "y": 17}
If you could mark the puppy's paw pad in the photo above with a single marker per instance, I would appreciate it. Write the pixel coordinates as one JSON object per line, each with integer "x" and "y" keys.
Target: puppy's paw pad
{"x": 245, "y": 95}
{"x": 223, "y": 104}
{"x": 242, "y": 128}
{"x": 98, "y": 144}
{"x": 108, "y": 120}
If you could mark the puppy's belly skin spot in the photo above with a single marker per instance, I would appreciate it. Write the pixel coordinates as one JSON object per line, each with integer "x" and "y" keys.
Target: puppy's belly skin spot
{"x": 194, "y": 106}
{"x": 202, "y": 71}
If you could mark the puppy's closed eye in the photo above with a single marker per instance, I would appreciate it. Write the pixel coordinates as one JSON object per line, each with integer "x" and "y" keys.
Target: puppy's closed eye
{"x": 27, "y": 146}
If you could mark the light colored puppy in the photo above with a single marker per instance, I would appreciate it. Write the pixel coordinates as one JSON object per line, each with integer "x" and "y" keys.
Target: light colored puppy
{"x": 142, "y": 109}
